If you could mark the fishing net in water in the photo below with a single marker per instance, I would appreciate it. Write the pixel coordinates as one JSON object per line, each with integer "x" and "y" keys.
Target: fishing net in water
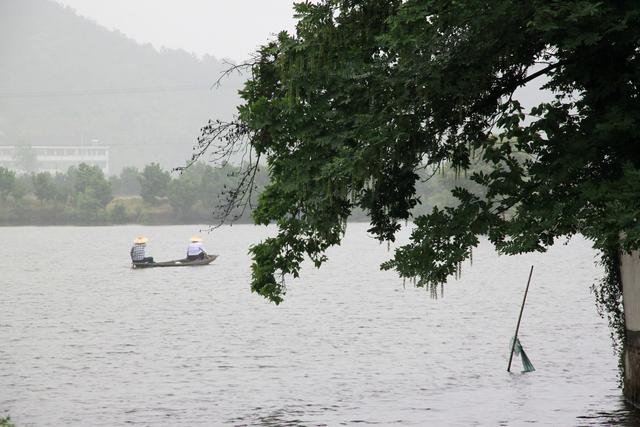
{"x": 527, "y": 366}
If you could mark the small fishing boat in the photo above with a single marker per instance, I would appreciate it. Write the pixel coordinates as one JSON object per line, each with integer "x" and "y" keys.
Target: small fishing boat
{"x": 176, "y": 263}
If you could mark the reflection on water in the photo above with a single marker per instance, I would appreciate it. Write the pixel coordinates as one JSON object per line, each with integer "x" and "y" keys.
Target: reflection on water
{"x": 624, "y": 415}
{"x": 88, "y": 341}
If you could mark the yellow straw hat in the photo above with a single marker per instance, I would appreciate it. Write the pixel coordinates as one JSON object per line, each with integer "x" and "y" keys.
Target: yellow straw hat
{"x": 140, "y": 239}
{"x": 196, "y": 239}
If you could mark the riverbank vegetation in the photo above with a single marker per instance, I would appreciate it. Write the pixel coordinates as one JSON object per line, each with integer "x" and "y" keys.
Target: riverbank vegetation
{"x": 198, "y": 195}
{"x": 84, "y": 196}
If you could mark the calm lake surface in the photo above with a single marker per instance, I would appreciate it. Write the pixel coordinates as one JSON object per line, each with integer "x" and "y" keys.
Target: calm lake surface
{"x": 87, "y": 341}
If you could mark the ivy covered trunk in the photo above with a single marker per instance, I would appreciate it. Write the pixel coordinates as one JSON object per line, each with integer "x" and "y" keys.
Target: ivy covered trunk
{"x": 630, "y": 278}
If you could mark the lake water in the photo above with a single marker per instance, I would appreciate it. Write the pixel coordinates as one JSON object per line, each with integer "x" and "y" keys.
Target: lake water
{"x": 87, "y": 341}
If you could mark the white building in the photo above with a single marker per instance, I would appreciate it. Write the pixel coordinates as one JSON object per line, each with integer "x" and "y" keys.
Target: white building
{"x": 54, "y": 158}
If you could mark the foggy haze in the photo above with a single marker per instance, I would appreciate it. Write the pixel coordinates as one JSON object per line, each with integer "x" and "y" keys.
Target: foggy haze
{"x": 224, "y": 29}
{"x": 67, "y": 80}
{"x": 102, "y": 74}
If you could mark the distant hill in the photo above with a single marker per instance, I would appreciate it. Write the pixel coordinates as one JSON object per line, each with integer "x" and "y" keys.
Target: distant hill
{"x": 66, "y": 80}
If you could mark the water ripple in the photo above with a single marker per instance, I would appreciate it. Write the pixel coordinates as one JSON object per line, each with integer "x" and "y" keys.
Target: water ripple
{"x": 96, "y": 343}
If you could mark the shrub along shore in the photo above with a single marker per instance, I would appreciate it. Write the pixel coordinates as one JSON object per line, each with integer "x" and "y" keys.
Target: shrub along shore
{"x": 84, "y": 196}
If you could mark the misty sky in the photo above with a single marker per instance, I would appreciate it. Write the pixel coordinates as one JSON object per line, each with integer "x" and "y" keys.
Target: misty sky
{"x": 222, "y": 28}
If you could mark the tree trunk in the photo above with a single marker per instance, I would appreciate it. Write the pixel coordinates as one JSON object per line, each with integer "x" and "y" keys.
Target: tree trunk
{"x": 630, "y": 277}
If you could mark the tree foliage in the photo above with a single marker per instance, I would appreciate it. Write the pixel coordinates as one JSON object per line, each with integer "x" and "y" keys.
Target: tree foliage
{"x": 154, "y": 183}
{"x": 7, "y": 182}
{"x": 83, "y": 195}
{"x": 349, "y": 109}
{"x": 6, "y": 422}
{"x": 128, "y": 183}
{"x": 90, "y": 181}
{"x": 44, "y": 187}
{"x": 183, "y": 193}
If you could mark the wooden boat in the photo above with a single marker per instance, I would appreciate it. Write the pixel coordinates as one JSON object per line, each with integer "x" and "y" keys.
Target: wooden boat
{"x": 176, "y": 263}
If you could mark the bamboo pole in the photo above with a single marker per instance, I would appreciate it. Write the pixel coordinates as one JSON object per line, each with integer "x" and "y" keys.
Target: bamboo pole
{"x": 524, "y": 299}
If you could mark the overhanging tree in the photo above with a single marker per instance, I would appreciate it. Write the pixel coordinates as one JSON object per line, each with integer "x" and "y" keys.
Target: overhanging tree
{"x": 346, "y": 112}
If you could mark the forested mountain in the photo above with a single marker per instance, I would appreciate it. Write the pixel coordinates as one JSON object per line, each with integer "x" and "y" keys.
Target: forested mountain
{"x": 66, "y": 80}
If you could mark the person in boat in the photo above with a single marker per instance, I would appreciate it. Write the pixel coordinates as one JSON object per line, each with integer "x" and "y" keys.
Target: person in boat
{"x": 138, "y": 250}
{"x": 196, "y": 249}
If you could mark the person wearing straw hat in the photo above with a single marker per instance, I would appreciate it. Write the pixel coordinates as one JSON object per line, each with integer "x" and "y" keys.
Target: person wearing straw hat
{"x": 138, "y": 250}
{"x": 195, "y": 249}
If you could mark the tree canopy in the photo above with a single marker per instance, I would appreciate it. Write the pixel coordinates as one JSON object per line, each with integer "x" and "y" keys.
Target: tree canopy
{"x": 154, "y": 182}
{"x": 366, "y": 94}
{"x": 84, "y": 196}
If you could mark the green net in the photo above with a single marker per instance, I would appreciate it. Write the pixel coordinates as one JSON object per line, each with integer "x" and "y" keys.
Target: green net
{"x": 527, "y": 366}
